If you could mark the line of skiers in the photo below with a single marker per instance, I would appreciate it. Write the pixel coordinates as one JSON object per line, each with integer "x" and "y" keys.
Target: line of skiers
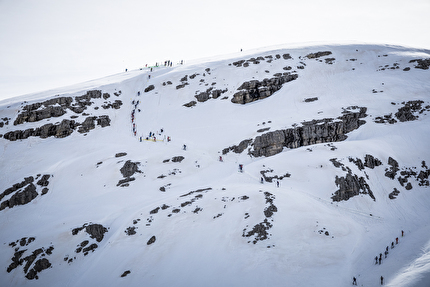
{"x": 135, "y": 104}
{"x": 378, "y": 260}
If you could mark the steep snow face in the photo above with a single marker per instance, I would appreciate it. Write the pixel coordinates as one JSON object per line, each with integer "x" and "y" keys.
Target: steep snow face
{"x": 288, "y": 167}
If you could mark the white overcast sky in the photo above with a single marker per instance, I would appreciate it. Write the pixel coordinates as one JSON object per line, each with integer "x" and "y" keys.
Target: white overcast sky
{"x": 46, "y": 44}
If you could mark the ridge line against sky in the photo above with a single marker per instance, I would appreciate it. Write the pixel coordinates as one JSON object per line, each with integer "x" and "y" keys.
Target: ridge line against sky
{"x": 47, "y": 44}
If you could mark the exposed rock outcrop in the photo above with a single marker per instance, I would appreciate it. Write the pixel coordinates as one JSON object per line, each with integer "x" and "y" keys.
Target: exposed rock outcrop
{"x": 60, "y": 130}
{"x": 318, "y": 54}
{"x": 313, "y": 132}
{"x": 149, "y": 88}
{"x": 409, "y": 112}
{"x": 422, "y": 63}
{"x": 127, "y": 170}
{"x": 256, "y": 90}
{"x": 260, "y": 230}
{"x": 349, "y": 186}
{"x": 38, "y": 257}
{"x": 24, "y": 192}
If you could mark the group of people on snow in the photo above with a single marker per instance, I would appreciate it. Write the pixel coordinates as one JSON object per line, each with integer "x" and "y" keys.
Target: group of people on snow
{"x": 378, "y": 259}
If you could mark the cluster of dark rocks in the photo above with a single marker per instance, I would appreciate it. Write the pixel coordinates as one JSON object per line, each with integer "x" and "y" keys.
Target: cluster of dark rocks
{"x": 31, "y": 266}
{"x": 271, "y": 178}
{"x": 128, "y": 170}
{"x": 409, "y": 112}
{"x": 149, "y": 88}
{"x": 421, "y": 63}
{"x": 318, "y": 54}
{"x": 256, "y": 90}
{"x": 257, "y": 60}
{"x": 407, "y": 173}
{"x": 184, "y": 82}
{"x": 308, "y": 100}
{"x": 260, "y": 230}
{"x": 351, "y": 184}
{"x": 395, "y": 66}
{"x": 210, "y": 93}
{"x": 57, "y": 107}
{"x": 24, "y": 191}
{"x": 4, "y": 121}
{"x": 96, "y": 233}
{"x": 312, "y": 132}
{"x": 175, "y": 159}
{"x": 60, "y": 130}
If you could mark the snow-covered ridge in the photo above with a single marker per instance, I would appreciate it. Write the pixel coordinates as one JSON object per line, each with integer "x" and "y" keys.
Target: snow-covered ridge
{"x": 134, "y": 179}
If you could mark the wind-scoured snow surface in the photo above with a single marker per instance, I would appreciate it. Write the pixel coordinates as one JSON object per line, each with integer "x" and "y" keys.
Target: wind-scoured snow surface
{"x": 85, "y": 202}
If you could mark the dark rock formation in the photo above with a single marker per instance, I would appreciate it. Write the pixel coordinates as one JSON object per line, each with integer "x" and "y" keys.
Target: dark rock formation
{"x": 349, "y": 186}
{"x": 177, "y": 158}
{"x": 357, "y": 162}
{"x": 17, "y": 186}
{"x": 124, "y": 182}
{"x": 130, "y": 230}
{"x": 190, "y": 104}
{"x": 61, "y": 130}
{"x": 96, "y": 231}
{"x": 409, "y": 112}
{"x": 57, "y": 107}
{"x": 23, "y": 197}
{"x": 181, "y": 85}
{"x": 422, "y": 63}
{"x": 38, "y": 256}
{"x": 115, "y": 105}
{"x": 263, "y": 130}
{"x": 371, "y": 162}
{"x": 40, "y": 265}
{"x": 392, "y": 171}
{"x": 24, "y": 192}
{"x": 197, "y": 191}
{"x": 238, "y": 148}
{"x": 151, "y": 240}
{"x": 129, "y": 168}
{"x": 44, "y": 180}
{"x": 308, "y": 100}
{"x": 38, "y": 115}
{"x": 271, "y": 178}
{"x": 313, "y": 132}
{"x": 256, "y": 90}
{"x": 329, "y": 60}
{"x": 318, "y": 54}
{"x": 260, "y": 230}
{"x": 120, "y": 154}
{"x": 210, "y": 93}
{"x": 125, "y": 273}
{"x": 406, "y": 113}
{"x": 394, "y": 194}
{"x": 149, "y": 88}
{"x": 286, "y": 56}
{"x": 103, "y": 121}
{"x": 87, "y": 125}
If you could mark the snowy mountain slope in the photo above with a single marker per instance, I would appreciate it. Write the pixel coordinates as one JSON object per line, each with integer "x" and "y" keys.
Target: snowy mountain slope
{"x": 358, "y": 116}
